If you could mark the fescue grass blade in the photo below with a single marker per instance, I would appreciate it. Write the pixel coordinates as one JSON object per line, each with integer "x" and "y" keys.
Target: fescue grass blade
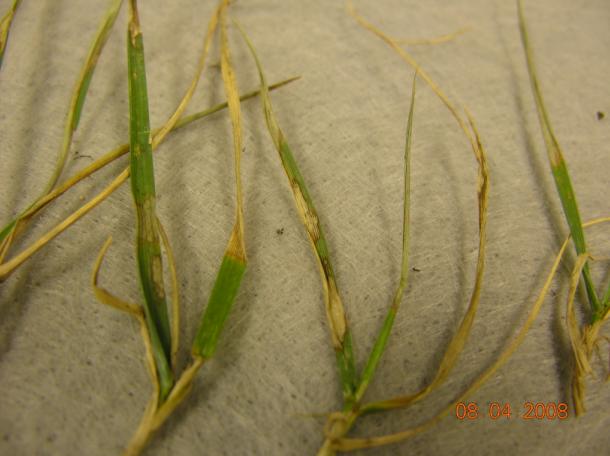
{"x": 340, "y": 333}
{"x": 82, "y": 87}
{"x": 74, "y": 112}
{"x": 148, "y": 249}
{"x": 109, "y": 157}
{"x": 384, "y": 334}
{"x": 350, "y": 444}
{"x": 559, "y": 169}
{"x": 5, "y": 26}
{"x": 234, "y": 263}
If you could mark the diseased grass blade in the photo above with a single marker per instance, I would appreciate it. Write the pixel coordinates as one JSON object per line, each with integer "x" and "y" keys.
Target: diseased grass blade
{"x": 5, "y": 26}
{"x": 234, "y": 263}
{"x": 7, "y": 268}
{"x": 559, "y": 168}
{"x": 112, "y": 155}
{"x": 384, "y": 334}
{"x": 350, "y": 444}
{"x": 78, "y": 99}
{"x": 82, "y": 87}
{"x": 148, "y": 249}
{"x": 340, "y": 333}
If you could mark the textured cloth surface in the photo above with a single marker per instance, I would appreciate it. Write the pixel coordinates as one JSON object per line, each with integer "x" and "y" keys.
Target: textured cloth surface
{"x": 72, "y": 375}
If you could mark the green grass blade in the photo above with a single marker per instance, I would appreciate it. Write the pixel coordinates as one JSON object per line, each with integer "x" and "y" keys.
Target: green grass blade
{"x": 234, "y": 262}
{"x": 82, "y": 86}
{"x": 148, "y": 248}
{"x": 5, "y": 26}
{"x": 219, "y": 306}
{"x": 558, "y": 166}
{"x": 384, "y": 334}
{"x": 337, "y": 320}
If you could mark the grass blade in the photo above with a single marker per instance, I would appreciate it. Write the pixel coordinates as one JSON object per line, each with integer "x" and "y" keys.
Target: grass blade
{"x": 384, "y": 334}
{"x": 234, "y": 262}
{"x": 340, "y": 333}
{"x": 148, "y": 249}
{"x": 559, "y": 169}
{"x": 82, "y": 86}
{"x": 5, "y": 27}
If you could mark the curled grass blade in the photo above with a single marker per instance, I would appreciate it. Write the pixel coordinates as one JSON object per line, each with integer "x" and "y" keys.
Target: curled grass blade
{"x": 73, "y": 117}
{"x": 8, "y": 267}
{"x": 5, "y": 27}
{"x": 337, "y": 321}
{"x": 234, "y": 262}
{"x": 559, "y": 168}
{"x": 384, "y": 334}
{"x": 350, "y": 444}
{"x": 148, "y": 249}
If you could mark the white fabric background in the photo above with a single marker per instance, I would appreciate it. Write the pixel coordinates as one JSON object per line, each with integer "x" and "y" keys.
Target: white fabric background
{"x": 72, "y": 375}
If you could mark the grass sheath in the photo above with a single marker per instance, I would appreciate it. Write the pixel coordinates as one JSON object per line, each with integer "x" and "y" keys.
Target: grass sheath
{"x": 148, "y": 248}
{"x": 5, "y": 27}
{"x": 337, "y": 321}
{"x": 559, "y": 170}
{"x": 109, "y": 157}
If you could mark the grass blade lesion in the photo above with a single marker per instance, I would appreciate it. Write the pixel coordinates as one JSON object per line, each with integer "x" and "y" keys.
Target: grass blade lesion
{"x": 335, "y": 313}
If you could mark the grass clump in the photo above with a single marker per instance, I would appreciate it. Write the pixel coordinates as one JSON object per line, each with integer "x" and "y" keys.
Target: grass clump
{"x": 583, "y": 339}
{"x": 354, "y": 384}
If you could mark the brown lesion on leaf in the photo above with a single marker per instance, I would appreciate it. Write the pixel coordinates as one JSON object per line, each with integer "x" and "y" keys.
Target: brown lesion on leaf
{"x": 157, "y": 276}
{"x": 308, "y": 213}
{"x": 134, "y": 22}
